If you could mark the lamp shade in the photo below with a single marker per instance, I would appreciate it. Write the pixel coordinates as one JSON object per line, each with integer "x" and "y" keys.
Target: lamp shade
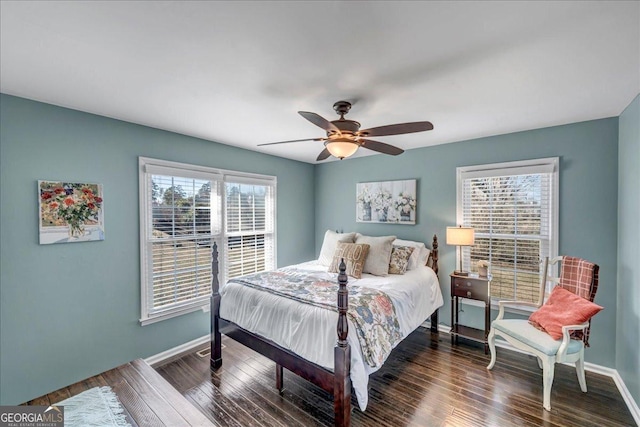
{"x": 460, "y": 236}
{"x": 342, "y": 149}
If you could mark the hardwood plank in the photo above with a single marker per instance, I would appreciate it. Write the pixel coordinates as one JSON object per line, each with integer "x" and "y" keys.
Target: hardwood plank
{"x": 268, "y": 392}
{"x": 58, "y": 395}
{"x": 150, "y": 395}
{"x": 289, "y": 395}
{"x": 211, "y": 408}
{"x": 40, "y": 401}
{"x": 170, "y": 396}
{"x": 134, "y": 404}
{"x": 230, "y": 405}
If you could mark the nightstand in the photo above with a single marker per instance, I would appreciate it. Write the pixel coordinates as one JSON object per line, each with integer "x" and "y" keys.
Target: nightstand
{"x": 475, "y": 288}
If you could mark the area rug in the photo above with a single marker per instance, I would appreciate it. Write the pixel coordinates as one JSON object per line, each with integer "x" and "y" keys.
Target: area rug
{"x": 95, "y": 407}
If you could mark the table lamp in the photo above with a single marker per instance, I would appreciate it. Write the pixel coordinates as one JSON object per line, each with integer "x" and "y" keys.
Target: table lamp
{"x": 460, "y": 236}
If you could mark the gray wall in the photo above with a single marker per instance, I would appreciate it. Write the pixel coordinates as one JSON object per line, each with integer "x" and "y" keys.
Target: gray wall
{"x": 628, "y": 332}
{"x": 588, "y": 203}
{"x": 70, "y": 311}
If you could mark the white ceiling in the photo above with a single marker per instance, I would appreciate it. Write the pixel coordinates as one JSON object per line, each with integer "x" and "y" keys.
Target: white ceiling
{"x": 237, "y": 72}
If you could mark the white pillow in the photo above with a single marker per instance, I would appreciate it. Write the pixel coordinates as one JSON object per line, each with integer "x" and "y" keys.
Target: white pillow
{"x": 417, "y": 256}
{"x": 424, "y": 256}
{"x": 377, "y": 262}
{"x": 331, "y": 239}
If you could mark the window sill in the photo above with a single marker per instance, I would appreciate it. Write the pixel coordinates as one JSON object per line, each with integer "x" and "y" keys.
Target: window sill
{"x": 179, "y": 311}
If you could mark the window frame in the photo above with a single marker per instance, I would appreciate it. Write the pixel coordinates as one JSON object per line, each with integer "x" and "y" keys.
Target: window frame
{"x": 518, "y": 167}
{"x": 150, "y": 166}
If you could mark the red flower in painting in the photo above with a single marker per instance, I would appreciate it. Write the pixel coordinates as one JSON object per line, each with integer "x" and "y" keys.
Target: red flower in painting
{"x": 385, "y": 305}
{"x": 68, "y": 201}
{"x": 54, "y": 205}
{"x": 59, "y": 190}
{"x": 98, "y": 199}
{"x": 91, "y": 205}
{"x": 46, "y": 195}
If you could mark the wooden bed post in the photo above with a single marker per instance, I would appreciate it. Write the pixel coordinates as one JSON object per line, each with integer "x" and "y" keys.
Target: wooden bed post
{"x": 216, "y": 345}
{"x": 434, "y": 267}
{"x": 342, "y": 356}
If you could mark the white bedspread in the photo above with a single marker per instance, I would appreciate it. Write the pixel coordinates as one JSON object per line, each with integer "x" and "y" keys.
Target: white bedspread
{"x": 310, "y": 331}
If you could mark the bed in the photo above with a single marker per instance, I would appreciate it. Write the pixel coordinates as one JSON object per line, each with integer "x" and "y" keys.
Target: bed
{"x": 279, "y": 321}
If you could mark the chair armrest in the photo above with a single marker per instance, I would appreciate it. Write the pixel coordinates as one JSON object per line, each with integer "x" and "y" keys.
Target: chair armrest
{"x": 566, "y": 336}
{"x": 502, "y": 304}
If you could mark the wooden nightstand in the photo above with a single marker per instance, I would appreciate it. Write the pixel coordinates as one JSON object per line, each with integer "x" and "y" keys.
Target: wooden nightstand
{"x": 475, "y": 288}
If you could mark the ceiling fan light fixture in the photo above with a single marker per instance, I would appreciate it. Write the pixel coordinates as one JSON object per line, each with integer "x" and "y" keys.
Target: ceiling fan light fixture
{"x": 342, "y": 149}
{"x": 344, "y": 136}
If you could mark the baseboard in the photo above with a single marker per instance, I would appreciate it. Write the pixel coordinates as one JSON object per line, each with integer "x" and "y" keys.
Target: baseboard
{"x": 597, "y": 369}
{"x": 626, "y": 395}
{"x": 159, "y": 358}
{"x": 441, "y": 328}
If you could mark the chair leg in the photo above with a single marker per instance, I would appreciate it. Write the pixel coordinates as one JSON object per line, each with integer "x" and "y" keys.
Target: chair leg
{"x": 492, "y": 347}
{"x": 548, "y": 368}
{"x": 580, "y": 371}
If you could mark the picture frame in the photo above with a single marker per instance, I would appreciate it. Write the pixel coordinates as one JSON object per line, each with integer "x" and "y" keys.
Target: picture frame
{"x": 70, "y": 212}
{"x": 389, "y": 202}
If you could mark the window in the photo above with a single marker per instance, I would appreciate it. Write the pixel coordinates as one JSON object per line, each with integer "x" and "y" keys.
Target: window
{"x": 181, "y": 215}
{"x": 513, "y": 208}
{"x": 249, "y": 226}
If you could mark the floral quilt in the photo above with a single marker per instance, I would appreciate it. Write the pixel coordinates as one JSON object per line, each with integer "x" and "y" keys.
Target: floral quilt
{"x": 371, "y": 311}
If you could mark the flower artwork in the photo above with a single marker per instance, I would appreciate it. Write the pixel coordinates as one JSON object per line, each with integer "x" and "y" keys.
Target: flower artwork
{"x": 386, "y": 202}
{"x": 70, "y": 212}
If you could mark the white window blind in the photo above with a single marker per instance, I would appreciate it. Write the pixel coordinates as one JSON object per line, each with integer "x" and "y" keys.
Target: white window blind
{"x": 513, "y": 210}
{"x": 249, "y": 226}
{"x": 180, "y": 232}
{"x": 181, "y": 215}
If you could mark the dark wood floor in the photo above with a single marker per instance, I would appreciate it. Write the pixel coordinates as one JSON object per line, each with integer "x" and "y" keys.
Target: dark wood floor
{"x": 425, "y": 382}
{"x": 147, "y": 399}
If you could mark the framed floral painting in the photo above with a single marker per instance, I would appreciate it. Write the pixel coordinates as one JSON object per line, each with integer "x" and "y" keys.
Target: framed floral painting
{"x": 388, "y": 201}
{"x": 70, "y": 212}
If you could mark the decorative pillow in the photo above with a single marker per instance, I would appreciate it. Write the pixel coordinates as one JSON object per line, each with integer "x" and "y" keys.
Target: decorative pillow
{"x": 424, "y": 256}
{"x": 377, "y": 262}
{"x": 415, "y": 259}
{"x": 331, "y": 239}
{"x": 400, "y": 259}
{"x": 561, "y": 309}
{"x": 354, "y": 256}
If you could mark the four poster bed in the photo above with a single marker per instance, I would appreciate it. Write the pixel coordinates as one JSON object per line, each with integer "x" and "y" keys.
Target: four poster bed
{"x": 273, "y": 315}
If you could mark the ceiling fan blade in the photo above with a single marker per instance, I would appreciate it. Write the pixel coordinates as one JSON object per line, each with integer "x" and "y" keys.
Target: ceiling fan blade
{"x": 320, "y": 121}
{"x": 293, "y": 140}
{"x": 323, "y": 155}
{"x": 381, "y": 147}
{"x": 397, "y": 129}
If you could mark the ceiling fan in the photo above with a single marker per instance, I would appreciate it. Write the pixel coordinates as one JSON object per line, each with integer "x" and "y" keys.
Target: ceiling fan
{"x": 344, "y": 136}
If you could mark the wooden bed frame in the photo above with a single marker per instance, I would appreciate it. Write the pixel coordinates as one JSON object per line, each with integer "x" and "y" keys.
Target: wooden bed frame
{"x": 337, "y": 382}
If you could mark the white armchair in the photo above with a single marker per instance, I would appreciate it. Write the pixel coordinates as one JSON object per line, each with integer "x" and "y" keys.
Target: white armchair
{"x": 523, "y": 336}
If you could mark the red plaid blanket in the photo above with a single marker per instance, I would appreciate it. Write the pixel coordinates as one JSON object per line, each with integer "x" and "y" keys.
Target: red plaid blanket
{"x": 580, "y": 277}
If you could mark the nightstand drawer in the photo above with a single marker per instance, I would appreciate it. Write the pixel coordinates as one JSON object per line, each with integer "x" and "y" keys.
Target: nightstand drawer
{"x": 468, "y": 287}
